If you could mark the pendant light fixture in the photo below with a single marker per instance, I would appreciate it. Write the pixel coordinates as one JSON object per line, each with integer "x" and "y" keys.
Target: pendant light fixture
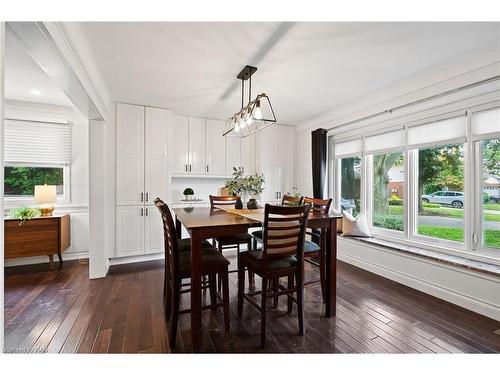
{"x": 255, "y": 115}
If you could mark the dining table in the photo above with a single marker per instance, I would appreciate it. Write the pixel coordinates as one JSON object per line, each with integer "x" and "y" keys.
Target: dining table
{"x": 208, "y": 223}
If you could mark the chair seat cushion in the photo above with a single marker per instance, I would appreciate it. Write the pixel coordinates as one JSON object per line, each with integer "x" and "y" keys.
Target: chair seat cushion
{"x": 211, "y": 262}
{"x": 234, "y": 239}
{"x": 253, "y": 258}
{"x": 258, "y": 234}
{"x": 185, "y": 244}
{"x": 310, "y": 247}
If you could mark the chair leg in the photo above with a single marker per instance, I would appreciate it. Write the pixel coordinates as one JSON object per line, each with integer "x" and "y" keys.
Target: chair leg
{"x": 167, "y": 301}
{"x": 275, "y": 290}
{"x": 225, "y": 301}
{"x": 241, "y": 288}
{"x": 212, "y": 281}
{"x": 175, "y": 317}
{"x": 219, "y": 281}
{"x": 322, "y": 275}
{"x": 263, "y": 312}
{"x": 289, "y": 299}
{"x": 300, "y": 298}
{"x": 251, "y": 278}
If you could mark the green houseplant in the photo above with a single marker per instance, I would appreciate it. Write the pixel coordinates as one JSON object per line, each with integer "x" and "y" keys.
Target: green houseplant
{"x": 246, "y": 186}
{"x": 188, "y": 194}
{"x": 24, "y": 213}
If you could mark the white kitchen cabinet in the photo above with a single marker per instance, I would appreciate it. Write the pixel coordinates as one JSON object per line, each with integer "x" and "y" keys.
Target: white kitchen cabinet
{"x": 153, "y": 231}
{"x": 156, "y": 157}
{"x": 248, "y": 154}
{"x": 129, "y": 154}
{"x": 142, "y": 175}
{"x": 215, "y": 148}
{"x": 129, "y": 231}
{"x": 233, "y": 154}
{"x": 275, "y": 159}
{"x": 179, "y": 144}
{"x": 196, "y": 145}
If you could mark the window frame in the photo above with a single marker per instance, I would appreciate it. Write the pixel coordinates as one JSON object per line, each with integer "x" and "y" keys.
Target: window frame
{"x": 65, "y": 198}
{"x": 472, "y": 194}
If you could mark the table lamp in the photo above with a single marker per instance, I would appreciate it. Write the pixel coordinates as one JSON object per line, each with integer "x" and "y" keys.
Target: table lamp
{"x": 45, "y": 195}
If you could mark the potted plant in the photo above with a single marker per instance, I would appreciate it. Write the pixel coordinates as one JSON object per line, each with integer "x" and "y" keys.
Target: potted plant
{"x": 188, "y": 194}
{"x": 24, "y": 213}
{"x": 245, "y": 186}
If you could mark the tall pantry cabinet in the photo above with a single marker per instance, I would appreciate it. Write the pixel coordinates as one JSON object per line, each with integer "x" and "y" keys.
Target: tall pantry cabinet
{"x": 141, "y": 176}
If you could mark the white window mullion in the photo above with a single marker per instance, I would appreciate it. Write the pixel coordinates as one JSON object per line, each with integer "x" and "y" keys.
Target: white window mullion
{"x": 469, "y": 191}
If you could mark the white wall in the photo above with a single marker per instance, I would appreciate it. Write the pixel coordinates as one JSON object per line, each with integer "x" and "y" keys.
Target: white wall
{"x": 79, "y": 194}
{"x": 468, "y": 289}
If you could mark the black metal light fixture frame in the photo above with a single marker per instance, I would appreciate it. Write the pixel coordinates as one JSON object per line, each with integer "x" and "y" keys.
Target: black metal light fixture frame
{"x": 246, "y": 121}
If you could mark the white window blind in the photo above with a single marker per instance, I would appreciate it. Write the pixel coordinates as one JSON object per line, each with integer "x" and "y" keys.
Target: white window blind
{"x": 30, "y": 142}
{"x": 451, "y": 129}
{"x": 348, "y": 148}
{"x": 485, "y": 123}
{"x": 392, "y": 140}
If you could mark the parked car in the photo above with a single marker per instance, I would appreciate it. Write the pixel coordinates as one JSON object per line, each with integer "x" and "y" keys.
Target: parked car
{"x": 347, "y": 204}
{"x": 450, "y": 198}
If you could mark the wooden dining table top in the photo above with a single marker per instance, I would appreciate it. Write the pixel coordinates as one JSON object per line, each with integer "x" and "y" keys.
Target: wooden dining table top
{"x": 195, "y": 218}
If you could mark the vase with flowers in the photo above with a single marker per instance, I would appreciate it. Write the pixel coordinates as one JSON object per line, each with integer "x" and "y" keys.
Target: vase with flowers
{"x": 248, "y": 188}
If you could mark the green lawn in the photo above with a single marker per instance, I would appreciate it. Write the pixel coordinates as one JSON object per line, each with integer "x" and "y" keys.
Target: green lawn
{"x": 492, "y": 206}
{"x": 492, "y": 236}
{"x": 445, "y": 212}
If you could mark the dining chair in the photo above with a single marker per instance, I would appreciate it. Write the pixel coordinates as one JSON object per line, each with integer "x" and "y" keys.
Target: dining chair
{"x": 231, "y": 241}
{"x": 178, "y": 268}
{"x": 317, "y": 248}
{"x": 287, "y": 200}
{"x": 282, "y": 255}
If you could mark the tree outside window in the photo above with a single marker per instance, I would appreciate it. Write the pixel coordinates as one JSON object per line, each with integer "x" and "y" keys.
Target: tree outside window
{"x": 21, "y": 180}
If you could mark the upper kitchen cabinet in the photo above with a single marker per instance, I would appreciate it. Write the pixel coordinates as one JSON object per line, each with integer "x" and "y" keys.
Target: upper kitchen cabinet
{"x": 233, "y": 154}
{"x": 129, "y": 154}
{"x": 141, "y": 150}
{"x": 179, "y": 144}
{"x": 196, "y": 141}
{"x": 248, "y": 154}
{"x": 215, "y": 148}
{"x": 156, "y": 156}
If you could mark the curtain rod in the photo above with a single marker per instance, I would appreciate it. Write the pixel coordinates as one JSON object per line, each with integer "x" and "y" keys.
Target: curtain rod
{"x": 419, "y": 101}
{"x": 37, "y": 121}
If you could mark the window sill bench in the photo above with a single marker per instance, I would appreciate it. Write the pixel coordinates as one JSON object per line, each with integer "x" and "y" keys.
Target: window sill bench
{"x": 453, "y": 260}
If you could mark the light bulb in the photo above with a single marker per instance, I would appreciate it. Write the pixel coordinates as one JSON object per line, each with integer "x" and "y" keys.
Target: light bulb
{"x": 257, "y": 113}
{"x": 236, "y": 128}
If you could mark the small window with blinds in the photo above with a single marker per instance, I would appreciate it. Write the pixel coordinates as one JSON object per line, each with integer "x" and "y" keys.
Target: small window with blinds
{"x": 36, "y": 153}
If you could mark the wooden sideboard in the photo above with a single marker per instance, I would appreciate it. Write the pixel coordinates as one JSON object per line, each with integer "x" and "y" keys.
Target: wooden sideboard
{"x": 38, "y": 236}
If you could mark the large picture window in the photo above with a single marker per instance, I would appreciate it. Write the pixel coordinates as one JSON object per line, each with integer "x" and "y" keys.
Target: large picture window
{"x": 433, "y": 182}
{"x": 350, "y": 191}
{"x": 388, "y": 191}
{"x": 441, "y": 192}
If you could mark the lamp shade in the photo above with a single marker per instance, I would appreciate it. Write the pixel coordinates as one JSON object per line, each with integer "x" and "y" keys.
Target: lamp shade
{"x": 45, "y": 194}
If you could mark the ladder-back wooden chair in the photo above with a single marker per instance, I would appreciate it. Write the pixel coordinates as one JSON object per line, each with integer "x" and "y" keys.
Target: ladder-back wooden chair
{"x": 178, "y": 268}
{"x": 281, "y": 256}
{"x": 312, "y": 248}
{"x": 287, "y": 200}
{"x": 232, "y": 241}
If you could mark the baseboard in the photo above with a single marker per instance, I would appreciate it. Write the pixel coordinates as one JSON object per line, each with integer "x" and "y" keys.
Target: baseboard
{"x": 423, "y": 280}
{"x": 135, "y": 259}
{"x": 44, "y": 259}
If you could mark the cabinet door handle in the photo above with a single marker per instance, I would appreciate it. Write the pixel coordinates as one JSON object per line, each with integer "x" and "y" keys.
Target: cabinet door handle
{"x": 186, "y": 167}
{"x": 147, "y": 196}
{"x": 142, "y": 197}
{"x": 207, "y": 168}
{"x": 147, "y": 211}
{"x": 142, "y": 211}
{"x": 189, "y": 167}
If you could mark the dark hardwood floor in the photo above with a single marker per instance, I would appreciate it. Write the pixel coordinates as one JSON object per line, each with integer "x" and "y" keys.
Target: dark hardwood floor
{"x": 63, "y": 311}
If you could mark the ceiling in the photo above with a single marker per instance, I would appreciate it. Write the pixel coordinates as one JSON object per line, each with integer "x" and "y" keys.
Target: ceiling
{"x": 25, "y": 80}
{"x": 305, "y": 68}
